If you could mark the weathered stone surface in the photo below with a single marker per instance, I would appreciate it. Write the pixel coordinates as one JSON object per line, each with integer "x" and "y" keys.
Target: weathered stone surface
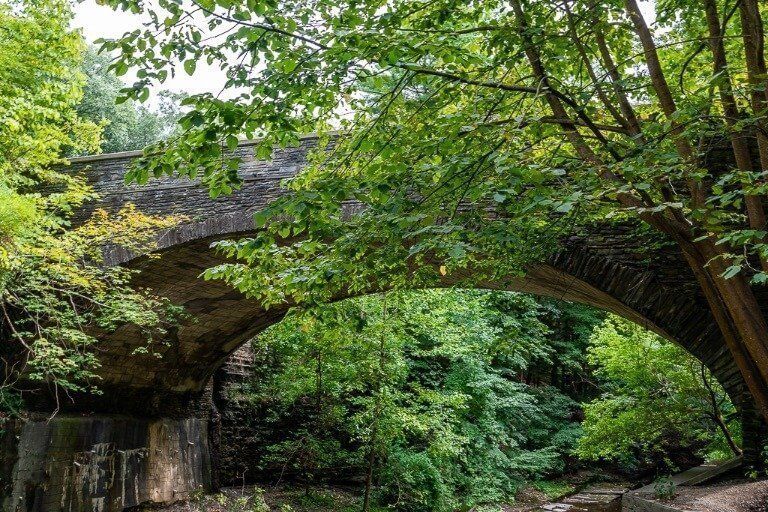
{"x": 101, "y": 464}
{"x": 236, "y": 436}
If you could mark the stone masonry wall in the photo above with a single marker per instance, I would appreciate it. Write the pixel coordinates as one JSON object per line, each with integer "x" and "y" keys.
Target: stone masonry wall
{"x": 100, "y": 464}
{"x": 237, "y": 435}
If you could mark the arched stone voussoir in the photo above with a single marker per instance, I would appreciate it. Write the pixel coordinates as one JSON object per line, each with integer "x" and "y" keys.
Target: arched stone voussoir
{"x": 222, "y": 319}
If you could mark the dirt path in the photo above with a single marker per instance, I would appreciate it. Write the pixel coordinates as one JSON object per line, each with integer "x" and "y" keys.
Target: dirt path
{"x": 729, "y": 496}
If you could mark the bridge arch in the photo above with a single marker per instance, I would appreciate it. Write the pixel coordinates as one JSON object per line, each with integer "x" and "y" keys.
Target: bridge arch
{"x": 605, "y": 268}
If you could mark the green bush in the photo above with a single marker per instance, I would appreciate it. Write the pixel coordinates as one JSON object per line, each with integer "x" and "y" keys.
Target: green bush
{"x": 448, "y": 389}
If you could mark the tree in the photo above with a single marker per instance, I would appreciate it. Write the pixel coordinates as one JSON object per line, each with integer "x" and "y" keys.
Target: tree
{"x": 54, "y": 295}
{"x": 125, "y": 126}
{"x": 654, "y": 394}
{"x": 438, "y": 419}
{"x": 549, "y": 113}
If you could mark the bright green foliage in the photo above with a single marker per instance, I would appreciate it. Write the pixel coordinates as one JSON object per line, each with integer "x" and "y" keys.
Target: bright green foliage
{"x": 126, "y": 125}
{"x": 445, "y": 406}
{"x": 54, "y": 295}
{"x": 656, "y": 397}
{"x": 39, "y": 83}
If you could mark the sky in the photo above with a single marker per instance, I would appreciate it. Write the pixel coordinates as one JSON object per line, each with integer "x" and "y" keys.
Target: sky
{"x": 97, "y": 21}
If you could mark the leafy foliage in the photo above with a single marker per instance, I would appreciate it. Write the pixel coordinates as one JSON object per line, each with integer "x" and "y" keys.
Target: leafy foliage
{"x": 55, "y": 297}
{"x": 656, "y": 398}
{"x": 442, "y": 111}
{"x": 432, "y": 383}
{"x": 125, "y": 125}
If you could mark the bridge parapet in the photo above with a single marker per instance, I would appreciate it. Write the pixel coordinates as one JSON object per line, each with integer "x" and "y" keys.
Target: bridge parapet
{"x": 169, "y": 196}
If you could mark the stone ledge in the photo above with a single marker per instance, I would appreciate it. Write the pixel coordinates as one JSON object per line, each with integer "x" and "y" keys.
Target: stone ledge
{"x": 641, "y": 500}
{"x": 634, "y": 502}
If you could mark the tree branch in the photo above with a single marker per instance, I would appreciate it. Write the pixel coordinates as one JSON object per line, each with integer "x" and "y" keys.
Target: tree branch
{"x": 664, "y": 94}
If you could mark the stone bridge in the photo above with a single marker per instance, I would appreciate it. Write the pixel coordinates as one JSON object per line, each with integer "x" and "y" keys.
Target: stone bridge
{"x": 147, "y": 437}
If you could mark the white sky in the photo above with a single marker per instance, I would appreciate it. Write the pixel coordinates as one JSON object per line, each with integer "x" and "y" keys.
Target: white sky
{"x": 97, "y": 21}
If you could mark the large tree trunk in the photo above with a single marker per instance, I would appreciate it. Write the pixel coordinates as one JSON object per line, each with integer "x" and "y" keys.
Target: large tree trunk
{"x": 732, "y": 301}
{"x": 728, "y": 310}
{"x": 737, "y": 313}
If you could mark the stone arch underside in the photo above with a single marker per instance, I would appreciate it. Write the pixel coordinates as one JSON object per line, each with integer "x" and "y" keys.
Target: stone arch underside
{"x": 657, "y": 297}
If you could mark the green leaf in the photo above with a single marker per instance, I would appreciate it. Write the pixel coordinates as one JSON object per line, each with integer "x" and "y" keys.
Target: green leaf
{"x": 260, "y": 219}
{"x": 189, "y": 66}
{"x": 289, "y": 65}
{"x": 232, "y": 142}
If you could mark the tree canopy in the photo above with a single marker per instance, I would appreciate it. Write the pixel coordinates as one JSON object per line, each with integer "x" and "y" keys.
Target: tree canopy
{"x": 653, "y": 395}
{"x": 454, "y": 399}
{"x": 126, "y": 125}
{"x": 55, "y": 297}
{"x": 449, "y": 399}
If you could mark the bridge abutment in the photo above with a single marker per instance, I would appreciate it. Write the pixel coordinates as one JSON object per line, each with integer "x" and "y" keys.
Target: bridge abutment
{"x": 101, "y": 463}
{"x": 754, "y": 433}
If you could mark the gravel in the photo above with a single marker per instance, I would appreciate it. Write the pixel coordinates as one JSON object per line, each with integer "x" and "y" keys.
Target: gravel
{"x": 729, "y": 496}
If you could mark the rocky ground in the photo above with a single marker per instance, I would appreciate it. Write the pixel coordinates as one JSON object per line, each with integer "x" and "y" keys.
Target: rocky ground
{"x": 728, "y": 495}
{"x": 732, "y": 495}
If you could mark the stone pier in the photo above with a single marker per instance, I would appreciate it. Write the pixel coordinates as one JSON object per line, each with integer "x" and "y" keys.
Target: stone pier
{"x": 101, "y": 463}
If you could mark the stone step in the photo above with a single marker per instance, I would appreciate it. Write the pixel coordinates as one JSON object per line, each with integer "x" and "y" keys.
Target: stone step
{"x": 591, "y": 499}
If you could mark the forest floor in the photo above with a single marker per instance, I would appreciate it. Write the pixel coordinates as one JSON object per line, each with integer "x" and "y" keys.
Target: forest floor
{"x": 728, "y": 495}
{"x": 251, "y": 498}
{"x": 291, "y": 498}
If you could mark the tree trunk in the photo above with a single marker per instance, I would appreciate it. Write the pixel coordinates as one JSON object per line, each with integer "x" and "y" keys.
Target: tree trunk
{"x": 735, "y": 314}
{"x": 720, "y": 422}
{"x": 376, "y": 410}
{"x": 731, "y": 301}
{"x": 754, "y": 205}
{"x": 716, "y": 414}
{"x": 369, "y": 474}
{"x": 319, "y": 385}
